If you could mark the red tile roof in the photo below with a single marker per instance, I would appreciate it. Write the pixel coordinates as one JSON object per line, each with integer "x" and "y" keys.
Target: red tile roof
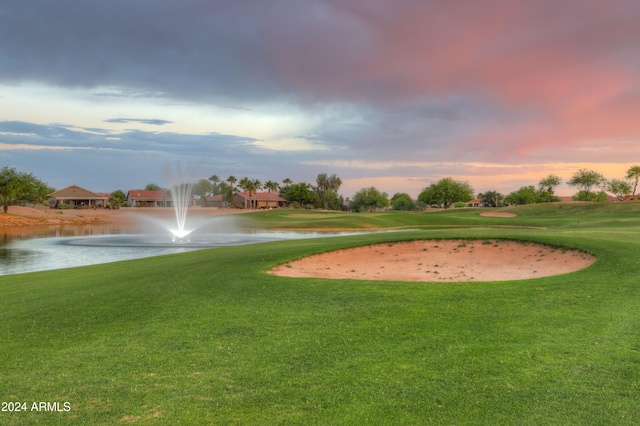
{"x": 141, "y": 194}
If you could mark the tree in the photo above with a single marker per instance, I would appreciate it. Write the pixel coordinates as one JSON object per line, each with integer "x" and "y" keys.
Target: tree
{"x": 549, "y": 184}
{"x": 491, "y": 198}
{"x": 285, "y": 185}
{"x": 152, "y": 187}
{"x": 271, "y": 185}
{"x": 585, "y": 180}
{"x": 256, "y": 185}
{"x": 19, "y": 187}
{"x": 299, "y": 194}
{"x": 634, "y": 173}
{"x": 203, "y": 189}
{"x": 618, "y": 187}
{"x": 215, "y": 180}
{"x": 402, "y": 201}
{"x": 599, "y": 197}
{"x": 446, "y": 192}
{"x": 232, "y": 180}
{"x": 226, "y": 191}
{"x": 117, "y": 198}
{"x": 527, "y": 195}
{"x": 369, "y": 199}
{"x": 327, "y": 190}
{"x": 246, "y": 184}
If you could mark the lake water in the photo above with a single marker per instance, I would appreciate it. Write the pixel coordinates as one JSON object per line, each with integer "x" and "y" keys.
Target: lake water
{"x": 38, "y": 249}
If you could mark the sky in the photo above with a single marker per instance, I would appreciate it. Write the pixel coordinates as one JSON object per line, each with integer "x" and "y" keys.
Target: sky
{"x": 393, "y": 94}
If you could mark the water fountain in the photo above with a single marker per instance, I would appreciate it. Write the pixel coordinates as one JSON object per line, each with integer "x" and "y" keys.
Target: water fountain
{"x": 181, "y": 199}
{"x": 52, "y": 253}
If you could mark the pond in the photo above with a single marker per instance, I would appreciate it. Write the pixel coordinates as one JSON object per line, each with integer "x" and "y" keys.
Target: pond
{"x": 39, "y": 249}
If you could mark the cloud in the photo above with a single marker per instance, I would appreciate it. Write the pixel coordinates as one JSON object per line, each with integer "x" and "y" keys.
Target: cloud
{"x": 29, "y": 134}
{"x": 133, "y": 94}
{"x": 153, "y": 121}
{"x": 386, "y": 88}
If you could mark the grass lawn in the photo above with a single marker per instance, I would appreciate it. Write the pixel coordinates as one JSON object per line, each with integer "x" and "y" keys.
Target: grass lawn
{"x": 208, "y": 337}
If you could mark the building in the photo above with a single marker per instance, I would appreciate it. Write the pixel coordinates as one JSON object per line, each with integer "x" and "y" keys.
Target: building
{"x": 78, "y": 197}
{"x": 144, "y": 198}
{"x": 156, "y": 198}
{"x": 216, "y": 201}
{"x": 258, "y": 200}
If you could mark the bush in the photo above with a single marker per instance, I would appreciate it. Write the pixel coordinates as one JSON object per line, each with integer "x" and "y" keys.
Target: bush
{"x": 65, "y": 206}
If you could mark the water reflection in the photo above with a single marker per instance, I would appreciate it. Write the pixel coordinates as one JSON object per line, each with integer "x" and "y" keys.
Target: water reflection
{"x": 26, "y": 232}
{"x": 26, "y": 249}
{"x": 37, "y": 249}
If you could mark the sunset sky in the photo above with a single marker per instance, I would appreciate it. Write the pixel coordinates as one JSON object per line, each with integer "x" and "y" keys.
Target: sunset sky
{"x": 392, "y": 94}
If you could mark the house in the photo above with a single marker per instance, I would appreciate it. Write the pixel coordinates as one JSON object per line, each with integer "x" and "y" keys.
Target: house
{"x": 144, "y": 198}
{"x": 475, "y": 203}
{"x": 155, "y": 198}
{"x": 258, "y": 200}
{"x": 216, "y": 201}
{"x": 78, "y": 197}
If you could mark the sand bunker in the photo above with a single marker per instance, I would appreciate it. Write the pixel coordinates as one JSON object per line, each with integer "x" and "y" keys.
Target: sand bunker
{"x": 498, "y": 214}
{"x": 440, "y": 260}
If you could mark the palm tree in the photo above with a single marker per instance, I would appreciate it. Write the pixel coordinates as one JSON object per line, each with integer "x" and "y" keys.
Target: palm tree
{"x": 257, "y": 185}
{"x": 271, "y": 185}
{"x": 232, "y": 179}
{"x": 287, "y": 182}
{"x": 216, "y": 180}
{"x": 634, "y": 173}
{"x": 245, "y": 183}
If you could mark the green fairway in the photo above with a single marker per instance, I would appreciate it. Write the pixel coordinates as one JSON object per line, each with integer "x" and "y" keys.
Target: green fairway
{"x": 208, "y": 337}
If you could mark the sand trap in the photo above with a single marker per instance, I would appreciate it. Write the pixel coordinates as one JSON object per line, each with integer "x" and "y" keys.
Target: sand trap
{"x": 440, "y": 260}
{"x": 498, "y": 214}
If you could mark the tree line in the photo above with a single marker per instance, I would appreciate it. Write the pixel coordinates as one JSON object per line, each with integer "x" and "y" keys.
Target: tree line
{"x": 591, "y": 186}
{"x": 19, "y": 188}
{"x": 323, "y": 195}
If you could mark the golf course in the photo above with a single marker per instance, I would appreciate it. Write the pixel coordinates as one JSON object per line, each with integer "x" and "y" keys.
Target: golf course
{"x": 211, "y": 337}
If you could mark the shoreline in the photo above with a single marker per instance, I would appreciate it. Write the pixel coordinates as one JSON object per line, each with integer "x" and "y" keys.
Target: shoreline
{"x": 19, "y": 217}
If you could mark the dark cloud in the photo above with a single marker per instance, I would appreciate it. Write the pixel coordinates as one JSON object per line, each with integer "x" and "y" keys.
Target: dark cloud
{"x": 410, "y": 80}
{"x": 63, "y": 156}
{"x": 311, "y": 50}
{"x": 35, "y": 135}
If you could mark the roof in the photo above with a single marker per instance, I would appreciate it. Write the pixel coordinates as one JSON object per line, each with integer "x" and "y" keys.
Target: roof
{"x": 218, "y": 197}
{"x": 141, "y": 194}
{"x": 76, "y": 193}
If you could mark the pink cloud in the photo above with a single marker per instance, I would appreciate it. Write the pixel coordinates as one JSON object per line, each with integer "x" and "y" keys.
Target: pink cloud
{"x": 564, "y": 68}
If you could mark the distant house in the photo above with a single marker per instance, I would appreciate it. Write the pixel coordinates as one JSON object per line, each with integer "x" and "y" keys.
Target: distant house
{"x": 216, "y": 201}
{"x": 78, "y": 197}
{"x": 475, "y": 203}
{"x": 156, "y": 198}
{"x": 258, "y": 200}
